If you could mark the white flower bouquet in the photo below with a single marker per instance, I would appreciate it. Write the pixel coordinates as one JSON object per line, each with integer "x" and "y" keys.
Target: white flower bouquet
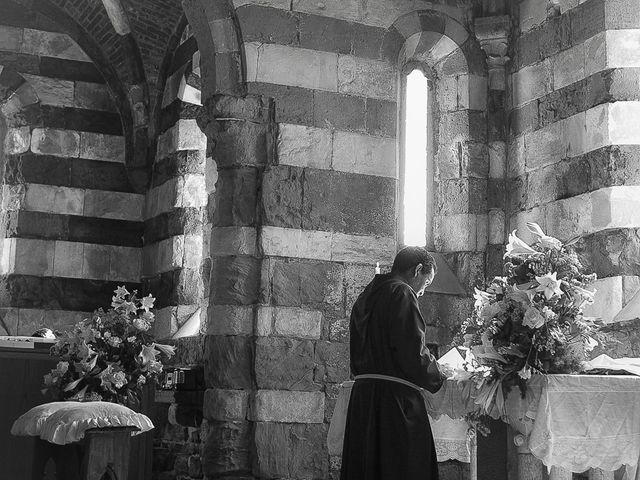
{"x": 110, "y": 356}
{"x": 528, "y": 321}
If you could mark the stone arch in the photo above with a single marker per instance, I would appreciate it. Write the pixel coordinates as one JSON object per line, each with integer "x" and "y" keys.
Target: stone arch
{"x": 117, "y": 57}
{"x": 455, "y": 64}
{"x": 178, "y": 193}
{"x": 216, "y": 29}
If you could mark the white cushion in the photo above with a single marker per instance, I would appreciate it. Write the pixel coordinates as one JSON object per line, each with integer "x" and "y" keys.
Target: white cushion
{"x": 66, "y": 422}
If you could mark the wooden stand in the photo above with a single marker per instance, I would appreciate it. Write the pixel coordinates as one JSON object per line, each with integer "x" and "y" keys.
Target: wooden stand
{"x": 102, "y": 455}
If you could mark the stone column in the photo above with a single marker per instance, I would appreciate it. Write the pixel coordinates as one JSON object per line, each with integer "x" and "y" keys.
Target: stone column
{"x": 529, "y": 467}
{"x": 598, "y": 474}
{"x": 493, "y": 32}
{"x": 559, "y": 473}
{"x": 240, "y": 134}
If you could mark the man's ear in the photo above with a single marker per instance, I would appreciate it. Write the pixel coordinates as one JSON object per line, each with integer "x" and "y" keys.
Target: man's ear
{"x": 418, "y": 270}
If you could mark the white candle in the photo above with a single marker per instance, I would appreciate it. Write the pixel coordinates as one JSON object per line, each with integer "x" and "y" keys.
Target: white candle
{"x": 377, "y": 268}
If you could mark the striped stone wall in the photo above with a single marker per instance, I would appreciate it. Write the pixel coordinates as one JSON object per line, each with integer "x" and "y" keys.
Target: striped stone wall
{"x": 573, "y": 136}
{"x": 176, "y": 253}
{"x": 72, "y": 225}
{"x": 305, "y": 205}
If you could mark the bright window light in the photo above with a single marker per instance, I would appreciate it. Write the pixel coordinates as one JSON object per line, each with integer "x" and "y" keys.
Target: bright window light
{"x": 415, "y": 159}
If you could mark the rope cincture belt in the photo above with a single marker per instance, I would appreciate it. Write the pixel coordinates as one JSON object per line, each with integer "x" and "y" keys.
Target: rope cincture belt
{"x": 389, "y": 378}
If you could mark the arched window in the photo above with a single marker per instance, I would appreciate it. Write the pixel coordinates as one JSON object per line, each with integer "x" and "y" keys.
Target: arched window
{"x": 416, "y": 162}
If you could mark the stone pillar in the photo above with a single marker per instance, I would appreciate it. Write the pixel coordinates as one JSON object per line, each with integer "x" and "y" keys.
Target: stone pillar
{"x": 529, "y": 467}
{"x": 559, "y": 473}
{"x": 493, "y": 32}
{"x": 599, "y": 474}
{"x": 240, "y": 139}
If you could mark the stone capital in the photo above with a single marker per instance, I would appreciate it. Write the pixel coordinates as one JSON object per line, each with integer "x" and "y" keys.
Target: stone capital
{"x": 493, "y": 35}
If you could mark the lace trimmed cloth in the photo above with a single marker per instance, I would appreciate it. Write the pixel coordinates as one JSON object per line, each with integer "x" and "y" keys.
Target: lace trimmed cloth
{"x": 450, "y": 436}
{"x": 66, "y": 422}
{"x": 576, "y": 422}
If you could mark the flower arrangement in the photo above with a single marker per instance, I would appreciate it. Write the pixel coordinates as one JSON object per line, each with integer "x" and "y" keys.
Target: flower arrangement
{"x": 109, "y": 356}
{"x": 528, "y": 321}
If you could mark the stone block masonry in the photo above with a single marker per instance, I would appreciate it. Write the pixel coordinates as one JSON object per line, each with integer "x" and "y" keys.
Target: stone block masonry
{"x": 74, "y": 226}
{"x": 571, "y": 152}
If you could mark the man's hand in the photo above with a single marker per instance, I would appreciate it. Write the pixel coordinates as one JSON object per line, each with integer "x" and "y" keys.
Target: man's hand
{"x": 446, "y": 370}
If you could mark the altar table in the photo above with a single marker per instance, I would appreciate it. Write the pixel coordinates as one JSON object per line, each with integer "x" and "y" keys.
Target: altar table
{"x": 571, "y": 423}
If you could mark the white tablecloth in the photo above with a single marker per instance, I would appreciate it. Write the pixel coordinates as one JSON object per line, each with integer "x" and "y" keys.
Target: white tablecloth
{"x": 450, "y": 436}
{"x": 585, "y": 421}
{"x": 576, "y": 422}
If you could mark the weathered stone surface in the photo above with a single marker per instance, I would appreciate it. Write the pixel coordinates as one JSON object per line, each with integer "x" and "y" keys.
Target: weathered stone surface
{"x": 611, "y": 252}
{"x": 568, "y": 67}
{"x": 290, "y": 451}
{"x": 445, "y": 310}
{"x": 52, "y": 91}
{"x": 362, "y": 249}
{"x": 225, "y": 405}
{"x": 303, "y": 146}
{"x": 340, "y": 112}
{"x": 468, "y": 267}
{"x": 381, "y": 117}
{"x": 332, "y": 360}
{"x": 33, "y": 257}
{"x": 268, "y": 25}
{"x": 356, "y": 278}
{"x": 61, "y": 200}
{"x": 227, "y": 449}
{"x": 233, "y": 241}
{"x": 292, "y": 66}
{"x": 293, "y": 322}
{"x": 565, "y": 179}
{"x": 228, "y": 362}
{"x": 315, "y": 284}
{"x": 116, "y": 205}
{"x": 61, "y": 143}
{"x": 242, "y": 143}
{"x": 17, "y": 140}
{"x": 235, "y": 280}
{"x": 235, "y": 199}
{"x": 607, "y": 301}
{"x": 496, "y": 227}
{"x": 348, "y": 203}
{"x": 287, "y": 406}
{"x": 462, "y": 196}
{"x": 285, "y": 363}
{"x": 52, "y": 44}
{"x": 455, "y": 232}
{"x": 289, "y": 242}
{"x": 621, "y": 14}
{"x": 367, "y": 78}
{"x": 230, "y": 320}
{"x": 532, "y": 14}
{"x": 364, "y": 154}
{"x": 587, "y": 20}
{"x": 338, "y": 329}
{"x": 282, "y": 196}
{"x": 96, "y": 146}
{"x": 93, "y": 96}
{"x": 294, "y": 105}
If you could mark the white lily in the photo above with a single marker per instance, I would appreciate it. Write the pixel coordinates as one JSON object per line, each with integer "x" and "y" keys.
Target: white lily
{"x": 518, "y": 247}
{"x": 482, "y": 298}
{"x": 545, "y": 240}
{"x": 549, "y": 284}
{"x": 168, "y": 350}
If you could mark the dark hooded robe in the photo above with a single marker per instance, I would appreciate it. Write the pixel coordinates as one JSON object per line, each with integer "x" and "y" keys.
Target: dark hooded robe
{"x": 387, "y": 433}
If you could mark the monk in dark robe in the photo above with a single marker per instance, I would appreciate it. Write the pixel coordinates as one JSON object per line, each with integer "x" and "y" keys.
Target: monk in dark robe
{"x": 387, "y": 433}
